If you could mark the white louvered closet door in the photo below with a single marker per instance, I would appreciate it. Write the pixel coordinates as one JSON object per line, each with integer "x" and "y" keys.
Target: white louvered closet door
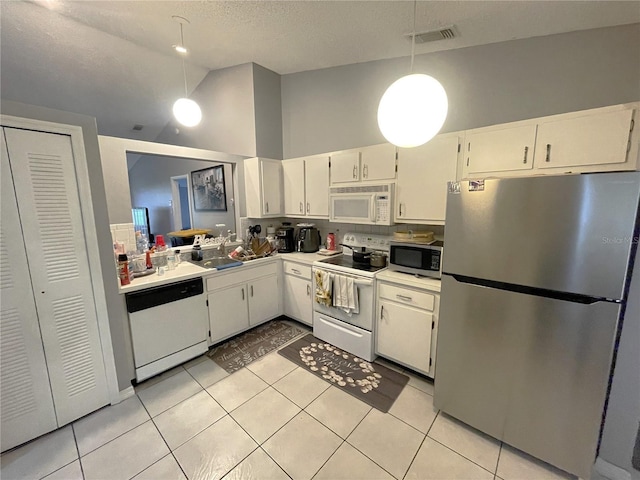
{"x": 26, "y": 405}
{"x": 49, "y": 205}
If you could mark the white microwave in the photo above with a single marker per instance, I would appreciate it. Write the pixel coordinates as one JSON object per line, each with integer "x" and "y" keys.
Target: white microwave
{"x": 365, "y": 204}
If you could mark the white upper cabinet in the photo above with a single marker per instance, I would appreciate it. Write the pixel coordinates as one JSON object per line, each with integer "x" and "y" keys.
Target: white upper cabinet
{"x": 585, "y": 140}
{"x": 317, "y": 186}
{"x": 423, "y": 173}
{"x": 378, "y": 162}
{"x": 263, "y": 187}
{"x": 500, "y": 149}
{"x": 367, "y": 164}
{"x": 596, "y": 140}
{"x": 306, "y": 186}
{"x": 345, "y": 167}
{"x": 293, "y": 182}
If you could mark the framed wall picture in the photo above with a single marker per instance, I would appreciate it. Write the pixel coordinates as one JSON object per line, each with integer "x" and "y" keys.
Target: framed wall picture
{"x": 208, "y": 189}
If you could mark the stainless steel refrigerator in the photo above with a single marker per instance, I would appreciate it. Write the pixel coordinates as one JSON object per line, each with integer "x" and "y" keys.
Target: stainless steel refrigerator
{"x": 536, "y": 273}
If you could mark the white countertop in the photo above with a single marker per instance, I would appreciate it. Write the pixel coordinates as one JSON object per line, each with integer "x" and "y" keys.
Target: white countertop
{"x": 407, "y": 279}
{"x": 307, "y": 258}
{"x": 184, "y": 271}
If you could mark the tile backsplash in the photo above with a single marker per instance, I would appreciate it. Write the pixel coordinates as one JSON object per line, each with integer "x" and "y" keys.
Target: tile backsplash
{"x": 123, "y": 232}
{"x": 339, "y": 229}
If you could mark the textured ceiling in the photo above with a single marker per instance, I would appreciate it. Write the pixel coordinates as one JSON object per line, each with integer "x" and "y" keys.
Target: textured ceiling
{"x": 113, "y": 60}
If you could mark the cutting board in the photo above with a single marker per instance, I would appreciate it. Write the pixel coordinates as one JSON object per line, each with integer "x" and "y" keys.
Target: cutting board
{"x": 328, "y": 253}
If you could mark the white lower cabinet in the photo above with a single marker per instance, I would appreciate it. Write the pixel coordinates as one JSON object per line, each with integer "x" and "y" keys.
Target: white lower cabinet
{"x": 228, "y": 312}
{"x": 297, "y": 292}
{"x": 243, "y": 299}
{"x": 406, "y": 324}
{"x": 263, "y": 299}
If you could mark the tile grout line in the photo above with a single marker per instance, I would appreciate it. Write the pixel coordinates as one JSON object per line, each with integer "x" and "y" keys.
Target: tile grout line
{"x": 120, "y": 435}
{"x": 413, "y": 459}
{"x": 274, "y": 460}
{"x": 330, "y": 456}
{"x": 358, "y": 450}
{"x": 498, "y": 461}
{"x": 66, "y": 464}
{"x": 75, "y": 439}
{"x": 165, "y": 442}
{"x": 466, "y": 458}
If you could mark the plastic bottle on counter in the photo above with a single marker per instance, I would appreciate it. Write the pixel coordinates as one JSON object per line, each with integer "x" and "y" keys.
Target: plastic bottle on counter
{"x": 123, "y": 269}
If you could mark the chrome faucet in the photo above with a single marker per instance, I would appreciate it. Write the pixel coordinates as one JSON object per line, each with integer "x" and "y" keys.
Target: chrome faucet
{"x": 223, "y": 241}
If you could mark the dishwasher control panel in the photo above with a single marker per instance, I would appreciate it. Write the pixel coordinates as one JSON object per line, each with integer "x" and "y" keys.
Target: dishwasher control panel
{"x": 161, "y": 295}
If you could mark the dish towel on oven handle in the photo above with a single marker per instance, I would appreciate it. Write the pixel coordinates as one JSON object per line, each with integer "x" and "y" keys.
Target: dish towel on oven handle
{"x": 324, "y": 287}
{"x": 345, "y": 294}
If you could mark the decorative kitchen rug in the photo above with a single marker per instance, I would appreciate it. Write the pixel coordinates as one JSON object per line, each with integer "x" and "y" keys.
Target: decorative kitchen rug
{"x": 370, "y": 382}
{"x": 244, "y": 349}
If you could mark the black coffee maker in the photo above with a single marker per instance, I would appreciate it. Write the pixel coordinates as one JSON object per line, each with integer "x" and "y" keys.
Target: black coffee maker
{"x": 285, "y": 238}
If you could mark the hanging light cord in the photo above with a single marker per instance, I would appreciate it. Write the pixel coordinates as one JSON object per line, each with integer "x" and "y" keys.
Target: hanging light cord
{"x": 184, "y": 69}
{"x": 413, "y": 35}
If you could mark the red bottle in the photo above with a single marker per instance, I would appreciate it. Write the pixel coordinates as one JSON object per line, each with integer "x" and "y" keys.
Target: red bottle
{"x": 123, "y": 269}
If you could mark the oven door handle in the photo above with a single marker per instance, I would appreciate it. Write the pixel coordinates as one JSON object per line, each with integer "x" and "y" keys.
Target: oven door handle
{"x": 357, "y": 281}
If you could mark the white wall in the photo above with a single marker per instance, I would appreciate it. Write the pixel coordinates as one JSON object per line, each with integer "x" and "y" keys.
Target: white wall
{"x": 268, "y": 112}
{"x": 150, "y": 187}
{"x": 336, "y": 108}
{"x": 228, "y": 122}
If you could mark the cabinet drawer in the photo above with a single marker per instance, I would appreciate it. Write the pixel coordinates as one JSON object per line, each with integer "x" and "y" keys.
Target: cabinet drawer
{"x": 241, "y": 275}
{"x": 297, "y": 270}
{"x": 407, "y": 296}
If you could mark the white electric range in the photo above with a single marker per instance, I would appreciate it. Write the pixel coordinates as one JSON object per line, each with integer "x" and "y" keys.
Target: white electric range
{"x": 345, "y": 328}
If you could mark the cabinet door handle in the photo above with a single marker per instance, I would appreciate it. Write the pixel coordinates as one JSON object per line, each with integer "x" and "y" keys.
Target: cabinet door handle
{"x": 252, "y": 290}
{"x": 242, "y": 290}
{"x": 400, "y": 214}
{"x": 296, "y": 271}
{"x": 266, "y": 206}
{"x": 548, "y": 159}
{"x": 526, "y": 151}
{"x": 365, "y": 171}
{"x": 300, "y": 207}
{"x": 381, "y": 312}
{"x": 308, "y": 207}
{"x": 308, "y": 291}
{"x": 404, "y": 297}
{"x": 355, "y": 171}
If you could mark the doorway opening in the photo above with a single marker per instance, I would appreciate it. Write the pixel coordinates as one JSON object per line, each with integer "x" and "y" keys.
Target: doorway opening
{"x": 181, "y": 203}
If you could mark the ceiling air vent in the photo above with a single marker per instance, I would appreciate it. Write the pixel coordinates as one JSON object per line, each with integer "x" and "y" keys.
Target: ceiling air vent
{"x": 443, "y": 34}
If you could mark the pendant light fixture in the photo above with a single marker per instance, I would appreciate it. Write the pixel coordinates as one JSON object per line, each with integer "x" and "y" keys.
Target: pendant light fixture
{"x": 186, "y": 111}
{"x": 413, "y": 109}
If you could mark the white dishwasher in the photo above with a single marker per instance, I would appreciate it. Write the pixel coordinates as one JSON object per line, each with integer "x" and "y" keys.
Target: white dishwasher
{"x": 169, "y": 325}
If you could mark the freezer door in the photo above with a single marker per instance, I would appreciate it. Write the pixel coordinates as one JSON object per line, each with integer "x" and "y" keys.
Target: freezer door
{"x": 570, "y": 233}
{"x": 531, "y": 371}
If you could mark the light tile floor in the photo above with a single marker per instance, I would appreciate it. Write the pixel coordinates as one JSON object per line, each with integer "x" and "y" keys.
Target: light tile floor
{"x": 270, "y": 420}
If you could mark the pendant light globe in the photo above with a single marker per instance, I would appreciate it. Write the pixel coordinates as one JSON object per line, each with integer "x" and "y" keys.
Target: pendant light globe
{"x": 412, "y": 110}
{"x": 187, "y": 112}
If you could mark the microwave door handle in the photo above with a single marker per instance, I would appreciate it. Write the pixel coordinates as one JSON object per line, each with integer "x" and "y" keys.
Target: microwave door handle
{"x": 372, "y": 213}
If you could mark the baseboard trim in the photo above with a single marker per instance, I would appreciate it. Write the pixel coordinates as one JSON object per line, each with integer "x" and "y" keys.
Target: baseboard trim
{"x": 611, "y": 471}
{"x": 126, "y": 393}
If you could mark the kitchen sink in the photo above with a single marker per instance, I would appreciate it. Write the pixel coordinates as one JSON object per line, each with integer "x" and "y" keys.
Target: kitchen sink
{"x": 215, "y": 262}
